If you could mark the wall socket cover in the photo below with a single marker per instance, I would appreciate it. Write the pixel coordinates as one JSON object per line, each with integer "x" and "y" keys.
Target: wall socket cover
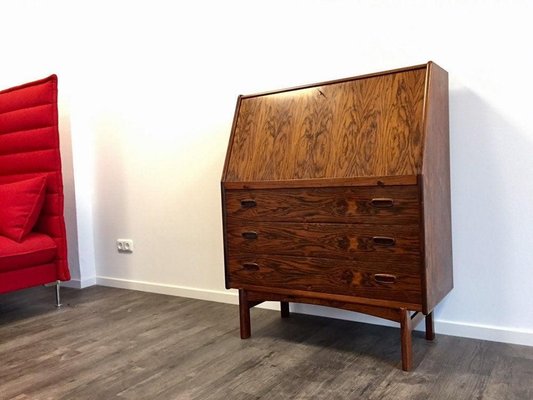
{"x": 125, "y": 245}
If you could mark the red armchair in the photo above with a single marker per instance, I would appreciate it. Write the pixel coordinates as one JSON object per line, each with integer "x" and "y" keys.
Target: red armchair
{"x": 33, "y": 247}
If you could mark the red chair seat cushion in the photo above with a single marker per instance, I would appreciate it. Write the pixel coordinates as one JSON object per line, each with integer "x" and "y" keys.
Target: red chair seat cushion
{"x": 20, "y": 205}
{"x": 35, "y": 249}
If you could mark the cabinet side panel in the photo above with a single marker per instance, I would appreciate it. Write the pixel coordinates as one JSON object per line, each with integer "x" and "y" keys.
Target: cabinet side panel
{"x": 225, "y": 236}
{"x": 223, "y": 191}
{"x": 436, "y": 188}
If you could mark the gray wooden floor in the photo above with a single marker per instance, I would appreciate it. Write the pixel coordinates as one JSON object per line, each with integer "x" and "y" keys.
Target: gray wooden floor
{"x": 110, "y": 343}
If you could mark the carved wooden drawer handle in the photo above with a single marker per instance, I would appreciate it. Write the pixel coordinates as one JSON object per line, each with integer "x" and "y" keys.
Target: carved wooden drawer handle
{"x": 249, "y": 235}
{"x": 385, "y": 278}
{"x": 248, "y": 203}
{"x": 251, "y": 266}
{"x": 382, "y": 202}
{"x": 383, "y": 240}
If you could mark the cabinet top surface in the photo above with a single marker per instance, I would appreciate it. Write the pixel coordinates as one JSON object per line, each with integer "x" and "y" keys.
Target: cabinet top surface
{"x": 368, "y": 126}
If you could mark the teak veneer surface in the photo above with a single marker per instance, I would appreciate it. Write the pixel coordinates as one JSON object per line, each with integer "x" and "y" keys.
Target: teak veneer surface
{"x": 342, "y": 205}
{"x": 359, "y": 128}
{"x": 324, "y": 240}
{"x": 324, "y": 275}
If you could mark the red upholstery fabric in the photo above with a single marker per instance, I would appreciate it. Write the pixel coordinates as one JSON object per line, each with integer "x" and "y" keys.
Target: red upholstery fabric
{"x": 20, "y": 205}
{"x": 35, "y": 249}
{"x": 29, "y": 148}
{"x": 27, "y": 277}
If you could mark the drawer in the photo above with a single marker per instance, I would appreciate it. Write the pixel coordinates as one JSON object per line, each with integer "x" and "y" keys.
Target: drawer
{"x": 386, "y": 281}
{"x": 375, "y": 204}
{"x": 324, "y": 240}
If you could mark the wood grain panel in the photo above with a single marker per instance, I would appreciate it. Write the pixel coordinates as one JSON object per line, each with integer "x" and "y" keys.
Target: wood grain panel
{"x": 325, "y": 183}
{"x": 342, "y": 205}
{"x": 355, "y": 278}
{"x": 392, "y": 314}
{"x": 325, "y": 240}
{"x": 356, "y": 128}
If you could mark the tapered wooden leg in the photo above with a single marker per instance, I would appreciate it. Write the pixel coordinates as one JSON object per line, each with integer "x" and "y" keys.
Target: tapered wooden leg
{"x": 285, "y": 313}
{"x": 430, "y": 327}
{"x": 407, "y": 346}
{"x": 244, "y": 314}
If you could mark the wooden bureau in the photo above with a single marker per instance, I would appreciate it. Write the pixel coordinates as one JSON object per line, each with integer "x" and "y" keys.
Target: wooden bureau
{"x": 338, "y": 194}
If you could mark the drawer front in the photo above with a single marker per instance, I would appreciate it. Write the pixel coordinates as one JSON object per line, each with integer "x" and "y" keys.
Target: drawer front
{"x": 346, "y": 241}
{"x": 381, "y": 205}
{"x": 386, "y": 281}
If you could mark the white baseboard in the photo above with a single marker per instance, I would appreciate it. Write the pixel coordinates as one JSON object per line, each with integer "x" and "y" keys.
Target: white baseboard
{"x": 219, "y": 296}
{"x": 486, "y": 332}
{"x": 474, "y": 331}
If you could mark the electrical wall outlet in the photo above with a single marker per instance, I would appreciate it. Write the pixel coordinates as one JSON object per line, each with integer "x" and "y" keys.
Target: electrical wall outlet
{"x": 125, "y": 245}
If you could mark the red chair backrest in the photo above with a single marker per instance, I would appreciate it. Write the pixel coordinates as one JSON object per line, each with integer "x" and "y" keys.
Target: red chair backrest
{"x": 29, "y": 147}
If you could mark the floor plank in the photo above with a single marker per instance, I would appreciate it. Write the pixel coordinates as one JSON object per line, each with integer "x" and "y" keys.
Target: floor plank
{"x": 108, "y": 343}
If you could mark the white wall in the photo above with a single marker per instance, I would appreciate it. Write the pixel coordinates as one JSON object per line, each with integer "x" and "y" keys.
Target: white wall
{"x": 33, "y": 47}
{"x": 149, "y": 89}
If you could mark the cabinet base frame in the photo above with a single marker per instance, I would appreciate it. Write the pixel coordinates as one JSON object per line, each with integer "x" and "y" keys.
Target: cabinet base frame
{"x": 407, "y": 320}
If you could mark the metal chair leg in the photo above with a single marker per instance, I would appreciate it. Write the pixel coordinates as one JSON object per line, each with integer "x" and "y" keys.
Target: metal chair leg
{"x": 58, "y": 295}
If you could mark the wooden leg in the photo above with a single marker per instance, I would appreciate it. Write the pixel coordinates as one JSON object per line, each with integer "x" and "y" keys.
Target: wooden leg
{"x": 285, "y": 313}
{"x": 244, "y": 314}
{"x": 407, "y": 346}
{"x": 430, "y": 327}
